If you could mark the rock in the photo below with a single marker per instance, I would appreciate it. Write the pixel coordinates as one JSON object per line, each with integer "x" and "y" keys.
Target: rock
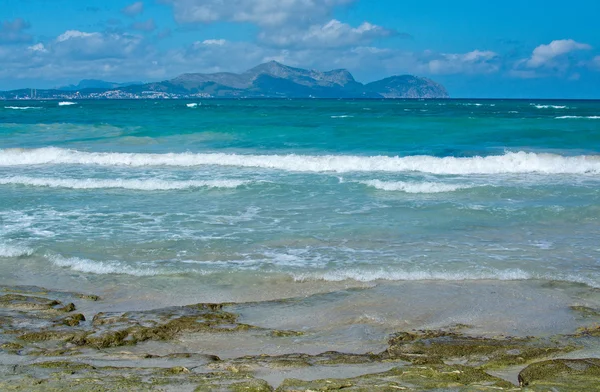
{"x": 17, "y": 301}
{"x": 405, "y": 378}
{"x": 73, "y": 320}
{"x": 585, "y": 311}
{"x": 430, "y": 347}
{"x": 562, "y": 375}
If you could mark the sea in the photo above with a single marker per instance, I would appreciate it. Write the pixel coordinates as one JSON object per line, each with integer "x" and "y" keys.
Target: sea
{"x": 246, "y": 200}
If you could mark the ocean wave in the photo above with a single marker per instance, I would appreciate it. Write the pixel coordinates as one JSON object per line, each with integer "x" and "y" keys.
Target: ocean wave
{"x": 548, "y": 106}
{"x": 100, "y": 267}
{"x": 67, "y": 103}
{"x": 191, "y": 105}
{"x": 414, "y": 187}
{"x": 512, "y": 162}
{"x": 388, "y": 275}
{"x": 141, "y": 185}
{"x": 577, "y": 117}
{"x": 22, "y": 107}
{"x": 342, "y": 116}
{"x": 8, "y": 250}
{"x": 360, "y": 275}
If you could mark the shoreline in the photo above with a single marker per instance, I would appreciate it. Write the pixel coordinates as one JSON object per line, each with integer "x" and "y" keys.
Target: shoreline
{"x": 358, "y": 337}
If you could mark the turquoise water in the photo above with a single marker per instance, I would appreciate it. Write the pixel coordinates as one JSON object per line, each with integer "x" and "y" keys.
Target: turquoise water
{"x": 236, "y": 191}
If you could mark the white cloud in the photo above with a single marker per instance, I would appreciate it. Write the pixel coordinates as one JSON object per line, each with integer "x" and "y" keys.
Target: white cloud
{"x": 133, "y": 9}
{"x": 75, "y": 45}
{"x": 219, "y": 42}
{"x": 596, "y": 62}
{"x": 472, "y": 62}
{"x": 74, "y": 34}
{"x": 39, "y": 47}
{"x": 544, "y": 55}
{"x": 261, "y": 12}
{"x": 332, "y": 34}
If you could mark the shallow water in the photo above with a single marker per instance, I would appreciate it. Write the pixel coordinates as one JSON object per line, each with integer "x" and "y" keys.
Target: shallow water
{"x": 154, "y": 203}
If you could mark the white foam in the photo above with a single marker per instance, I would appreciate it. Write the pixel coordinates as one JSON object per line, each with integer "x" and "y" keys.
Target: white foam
{"x": 191, "y": 105}
{"x": 141, "y": 185}
{"x": 384, "y": 274}
{"x": 99, "y": 267}
{"x": 576, "y": 117}
{"x": 67, "y": 103}
{"x": 342, "y": 116}
{"x": 22, "y": 107}
{"x": 414, "y": 187}
{"x": 512, "y": 162}
{"x": 548, "y": 106}
{"x": 361, "y": 275}
{"x": 7, "y": 250}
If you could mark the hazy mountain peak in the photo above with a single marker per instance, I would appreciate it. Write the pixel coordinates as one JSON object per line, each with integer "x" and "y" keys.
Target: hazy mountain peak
{"x": 273, "y": 79}
{"x": 269, "y": 80}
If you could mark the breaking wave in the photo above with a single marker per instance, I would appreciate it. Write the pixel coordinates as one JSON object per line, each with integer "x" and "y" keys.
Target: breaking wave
{"x": 548, "y": 106}
{"x": 67, "y": 103}
{"x": 99, "y": 267}
{"x": 512, "y": 162}
{"x": 149, "y": 269}
{"x": 22, "y": 107}
{"x": 387, "y": 275}
{"x": 416, "y": 187}
{"x": 7, "y": 250}
{"x": 141, "y": 185}
{"x": 575, "y": 117}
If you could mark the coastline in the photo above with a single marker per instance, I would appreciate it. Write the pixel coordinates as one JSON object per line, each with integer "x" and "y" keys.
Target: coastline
{"x": 385, "y": 336}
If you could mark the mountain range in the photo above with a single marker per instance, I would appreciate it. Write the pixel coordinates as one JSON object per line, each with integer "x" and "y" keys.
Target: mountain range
{"x": 97, "y": 84}
{"x": 268, "y": 80}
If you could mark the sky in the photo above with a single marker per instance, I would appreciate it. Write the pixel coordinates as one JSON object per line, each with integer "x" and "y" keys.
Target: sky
{"x": 478, "y": 49}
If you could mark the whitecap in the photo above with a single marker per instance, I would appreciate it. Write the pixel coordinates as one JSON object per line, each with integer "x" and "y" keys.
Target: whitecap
{"x": 99, "y": 267}
{"x": 9, "y": 250}
{"x": 511, "y": 162}
{"x": 548, "y": 106}
{"x": 386, "y": 274}
{"x": 361, "y": 275}
{"x": 578, "y": 117}
{"x": 415, "y": 187}
{"x": 140, "y": 185}
{"x": 67, "y": 103}
{"x": 22, "y": 107}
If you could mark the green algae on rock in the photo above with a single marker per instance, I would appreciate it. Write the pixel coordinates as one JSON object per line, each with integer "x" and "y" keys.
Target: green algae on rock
{"x": 443, "y": 346}
{"x": 585, "y": 311}
{"x": 409, "y": 378}
{"x": 563, "y": 375}
{"x": 25, "y": 302}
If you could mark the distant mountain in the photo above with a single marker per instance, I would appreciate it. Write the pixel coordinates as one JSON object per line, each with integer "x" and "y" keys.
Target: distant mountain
{"x": 407, "y": 86}
{"x": 96, "y": 84}
{"x": 269, "y": 80}
{"x": 274, "y": 79}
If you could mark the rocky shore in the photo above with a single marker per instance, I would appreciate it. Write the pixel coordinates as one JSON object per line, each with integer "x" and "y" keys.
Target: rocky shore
{"x": 47, "y": 343}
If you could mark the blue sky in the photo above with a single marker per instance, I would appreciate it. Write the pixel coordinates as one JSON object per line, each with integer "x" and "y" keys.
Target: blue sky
{"x": 515, "y": 49}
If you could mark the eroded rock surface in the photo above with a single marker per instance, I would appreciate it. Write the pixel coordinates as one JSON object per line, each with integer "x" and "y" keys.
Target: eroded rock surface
{"x": 562, "y": 375}
{"x": 47, "y": 345}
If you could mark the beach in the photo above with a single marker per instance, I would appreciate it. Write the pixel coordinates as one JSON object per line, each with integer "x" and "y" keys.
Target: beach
{"x": 299, "y": 245}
